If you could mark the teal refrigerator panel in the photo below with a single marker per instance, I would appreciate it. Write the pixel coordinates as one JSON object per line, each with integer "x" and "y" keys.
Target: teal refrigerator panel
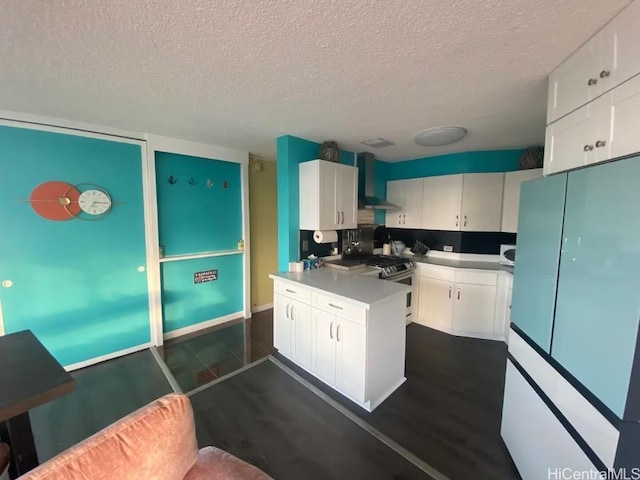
{"x": 75, "y": 283}
{"x": 537, "y": 257}
{"x": 598, "y": 302}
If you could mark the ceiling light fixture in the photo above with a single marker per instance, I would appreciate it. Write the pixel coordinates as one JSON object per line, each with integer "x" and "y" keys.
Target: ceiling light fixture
{"x": 434, "y": 137}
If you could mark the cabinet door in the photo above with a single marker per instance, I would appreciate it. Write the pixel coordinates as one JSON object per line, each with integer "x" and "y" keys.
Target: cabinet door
{"x": 596, "y": 319}
{"x": 282, "y": 324}
{"x": 537, "y": 257}
{"x": 474, "y": 309}
{"x": 570, "y": 142}
{"x": 624, "y": 115}
{"x": 348, "y": 192}
{"x": 621, "y": 38}
{"x": 511, "y": 199}
{"x": 351, "y": 341}
{"x": 393, "y": 218}
{"x": 329, "y": 202}
{"x": 301, "y": 336}
{"x": 412, "y": 203}
{"x": 442, "y": 202}
{"x": 576, "y": 81}
{"x": 436, "y": 303}
{"x": 323, "y": 350}
{"x": 482, "y": 202}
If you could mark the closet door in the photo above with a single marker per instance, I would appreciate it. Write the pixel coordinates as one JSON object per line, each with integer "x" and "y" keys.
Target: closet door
{"x": 80, "y": 284}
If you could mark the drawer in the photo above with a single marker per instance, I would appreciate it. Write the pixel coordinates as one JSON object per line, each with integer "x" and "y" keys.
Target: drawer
{"x": 340, "y": 308}
{"x": 476, "y": 278}
{"x": 436, "y": 272}
{"x": 294, "y": 291}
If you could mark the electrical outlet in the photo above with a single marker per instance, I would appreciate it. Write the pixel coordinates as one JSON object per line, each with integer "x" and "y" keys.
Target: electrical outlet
{"x": 448, "y": 248}
{"x": 305, "y": 245}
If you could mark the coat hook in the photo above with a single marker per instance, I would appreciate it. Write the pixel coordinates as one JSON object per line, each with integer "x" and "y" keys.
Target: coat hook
{"x": 225, "y": 184}
{"x": 173, "y": 180}
{"x": 209, "y": 183}
{"x": 192, "y": 181}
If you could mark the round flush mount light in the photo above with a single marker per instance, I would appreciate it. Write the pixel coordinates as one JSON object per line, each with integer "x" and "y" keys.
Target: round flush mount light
{"x": 434, "y": 137}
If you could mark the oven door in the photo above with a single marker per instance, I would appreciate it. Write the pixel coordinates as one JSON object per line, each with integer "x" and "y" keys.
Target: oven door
{"x": 407, "y": 279}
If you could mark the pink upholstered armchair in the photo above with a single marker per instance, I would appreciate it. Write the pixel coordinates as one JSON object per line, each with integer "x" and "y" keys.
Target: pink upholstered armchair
{"x": 157, "y": 442}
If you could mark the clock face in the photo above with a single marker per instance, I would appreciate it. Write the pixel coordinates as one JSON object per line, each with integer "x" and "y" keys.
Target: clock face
{"x": 94, "y": 202}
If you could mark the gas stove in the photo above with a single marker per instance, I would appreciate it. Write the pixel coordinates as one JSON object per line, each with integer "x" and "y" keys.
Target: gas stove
{"x": 391, "y": 266}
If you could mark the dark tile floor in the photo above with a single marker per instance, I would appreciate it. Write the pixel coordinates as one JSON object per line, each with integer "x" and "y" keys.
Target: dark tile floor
{"x": 195, "y": 360}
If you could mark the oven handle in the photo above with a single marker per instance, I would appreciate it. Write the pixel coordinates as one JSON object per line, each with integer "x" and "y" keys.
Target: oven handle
{"x": 400, "y": 276}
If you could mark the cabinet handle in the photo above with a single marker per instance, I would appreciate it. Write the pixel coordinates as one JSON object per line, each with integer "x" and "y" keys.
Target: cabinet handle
{"x": 290, "y": 291}
{"x": 335, "y": 306}
{"x": 404, "y": 219}
{"x": 465, "y": 220}
{"x": 288, "y": 310}
{"x": 331, "y": 331}
{"x": 338, "y": 333}
{"x": 450, "y": 292}
{"x": 342, "y": 218}
{"x": 600, "y": 143}
{"x": 292, "y": 307}
{"x": 605, "y": 73}
{"x": 588, "y": 148}
{"x": 457, "y": 220}
{"x": 458, "y": 294}
{"x": 592, "y": 81}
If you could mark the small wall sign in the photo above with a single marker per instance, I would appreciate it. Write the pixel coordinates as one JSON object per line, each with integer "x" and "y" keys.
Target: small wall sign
{"x": 205, "y": 276}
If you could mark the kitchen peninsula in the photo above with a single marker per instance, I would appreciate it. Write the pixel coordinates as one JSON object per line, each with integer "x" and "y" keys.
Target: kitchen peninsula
{"x": 345, "y": 328}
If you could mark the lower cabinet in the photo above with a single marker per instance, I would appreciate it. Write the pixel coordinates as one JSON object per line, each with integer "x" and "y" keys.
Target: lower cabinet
{"x": 462, "y": 302}
{"x": 292, "y": 329}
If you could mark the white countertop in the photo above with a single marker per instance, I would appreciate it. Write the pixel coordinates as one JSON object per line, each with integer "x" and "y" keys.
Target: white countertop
{"x": 354, "y": 286}
{"x": 457, "y": 263}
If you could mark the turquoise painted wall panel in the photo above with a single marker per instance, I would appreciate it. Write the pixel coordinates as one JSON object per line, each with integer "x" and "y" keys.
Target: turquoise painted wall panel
{"x": 538, "y": 257}
{"x": 75, "y": 283}
{"x": 598, "y": 302}
{"x": 466, "y": 162}
{"x": 185, "y": 303}
{"x": 193, "y": 217}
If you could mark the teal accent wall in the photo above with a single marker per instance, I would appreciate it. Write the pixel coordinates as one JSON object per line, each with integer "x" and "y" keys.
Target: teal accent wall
{"x": 466, "y": 162}
{"x": 185, "y": 303}
{"x": 598, "y": 300}
{"x": 75, "y": 282}
{"x": 192, "y": 217}
{"x": 538, "y": 255}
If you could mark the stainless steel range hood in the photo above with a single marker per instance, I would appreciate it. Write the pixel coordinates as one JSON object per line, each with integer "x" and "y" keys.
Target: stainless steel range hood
{"x": 366, "y": 185}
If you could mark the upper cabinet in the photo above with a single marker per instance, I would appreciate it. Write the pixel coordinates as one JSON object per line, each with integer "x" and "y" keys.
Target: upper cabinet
{"x": 328, "y": 196}
{"x": 608, "y": 59}
{"x": 470, "y": 202}
{"x": 406, "y": 194}
{"x": 511, "y": 198}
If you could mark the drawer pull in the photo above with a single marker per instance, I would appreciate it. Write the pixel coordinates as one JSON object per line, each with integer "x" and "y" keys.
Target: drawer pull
{"x": 331, "y": 331}
{"x": 290, "y": 291}
{"x": 292, "y": 312}
{"x": 335, "y": 306}
{"x": 288, "y": 310}
{"x": 450, "y": 288}
{"x": 338, "y": 333}
{"x": 458, "y": 294}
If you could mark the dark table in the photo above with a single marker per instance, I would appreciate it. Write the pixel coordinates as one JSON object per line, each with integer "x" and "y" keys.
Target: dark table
{"x": 29, "y": 377}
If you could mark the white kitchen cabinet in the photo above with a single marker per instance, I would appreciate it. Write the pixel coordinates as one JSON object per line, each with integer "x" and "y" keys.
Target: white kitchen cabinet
{"x": 624, "y": 118}
{"x": 442, "y": 202}
{"x": 282, "y": 324}
{"x": 351, "y": 342}
{"x": 511, "y": 198}
{"x": 292, "y": 333}
{"x": 328, "y": 196}
{"x": 406, "y": 194}
{"x": 324, "y": 345}
{"x": 621, "y": 38}
{"x": 470, "y": 202}
{"x": 474, "y": 310}
{"x": 435, "y": 303}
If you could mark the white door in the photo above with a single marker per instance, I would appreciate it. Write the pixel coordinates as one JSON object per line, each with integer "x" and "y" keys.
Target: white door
{"x": 442, "y": 202}
{"x": 570, "y": 142}
{"x": 393, "y": 218}
{"x": 323, "y": 350}
{"x": 436, "y": 303}
{"x": 302, "y": 334}
{"x": 348, "y": 192}
{"x": 351, "y": 341}
{"x": 624, "y": 104}
{"x": 412, "y": 203}
{"x": 282, "y": 324}
{"x": 511, "y": 198}
{"x": 621, "y": 38}
{"x": 576, "y": 81}
{"x": 482, "y": 202}
{"x": 474, "y": 309}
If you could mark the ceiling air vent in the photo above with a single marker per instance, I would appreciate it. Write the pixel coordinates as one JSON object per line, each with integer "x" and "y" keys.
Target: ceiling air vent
{"x": 377, "y": 142}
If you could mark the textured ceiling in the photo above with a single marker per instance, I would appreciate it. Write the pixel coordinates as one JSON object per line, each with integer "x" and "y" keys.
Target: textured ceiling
{"x": 239, "y": 73}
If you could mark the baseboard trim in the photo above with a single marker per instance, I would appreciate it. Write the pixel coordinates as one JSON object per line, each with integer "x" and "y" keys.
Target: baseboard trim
{"x": 110, "y": 356}
{"x": 202, "y": 325}
{"x": 262, "y": 308}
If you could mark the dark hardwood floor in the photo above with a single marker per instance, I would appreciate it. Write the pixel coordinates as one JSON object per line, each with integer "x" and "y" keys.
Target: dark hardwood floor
{"x": 448, "y": 411}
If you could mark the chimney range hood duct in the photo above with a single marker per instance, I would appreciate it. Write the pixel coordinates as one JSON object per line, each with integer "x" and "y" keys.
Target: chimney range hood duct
{"x": 366, "y": 185}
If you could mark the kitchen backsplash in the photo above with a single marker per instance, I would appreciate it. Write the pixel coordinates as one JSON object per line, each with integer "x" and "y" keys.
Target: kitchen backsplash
{"x": 318, "y": 249}
{"x": 462, "y": 242}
